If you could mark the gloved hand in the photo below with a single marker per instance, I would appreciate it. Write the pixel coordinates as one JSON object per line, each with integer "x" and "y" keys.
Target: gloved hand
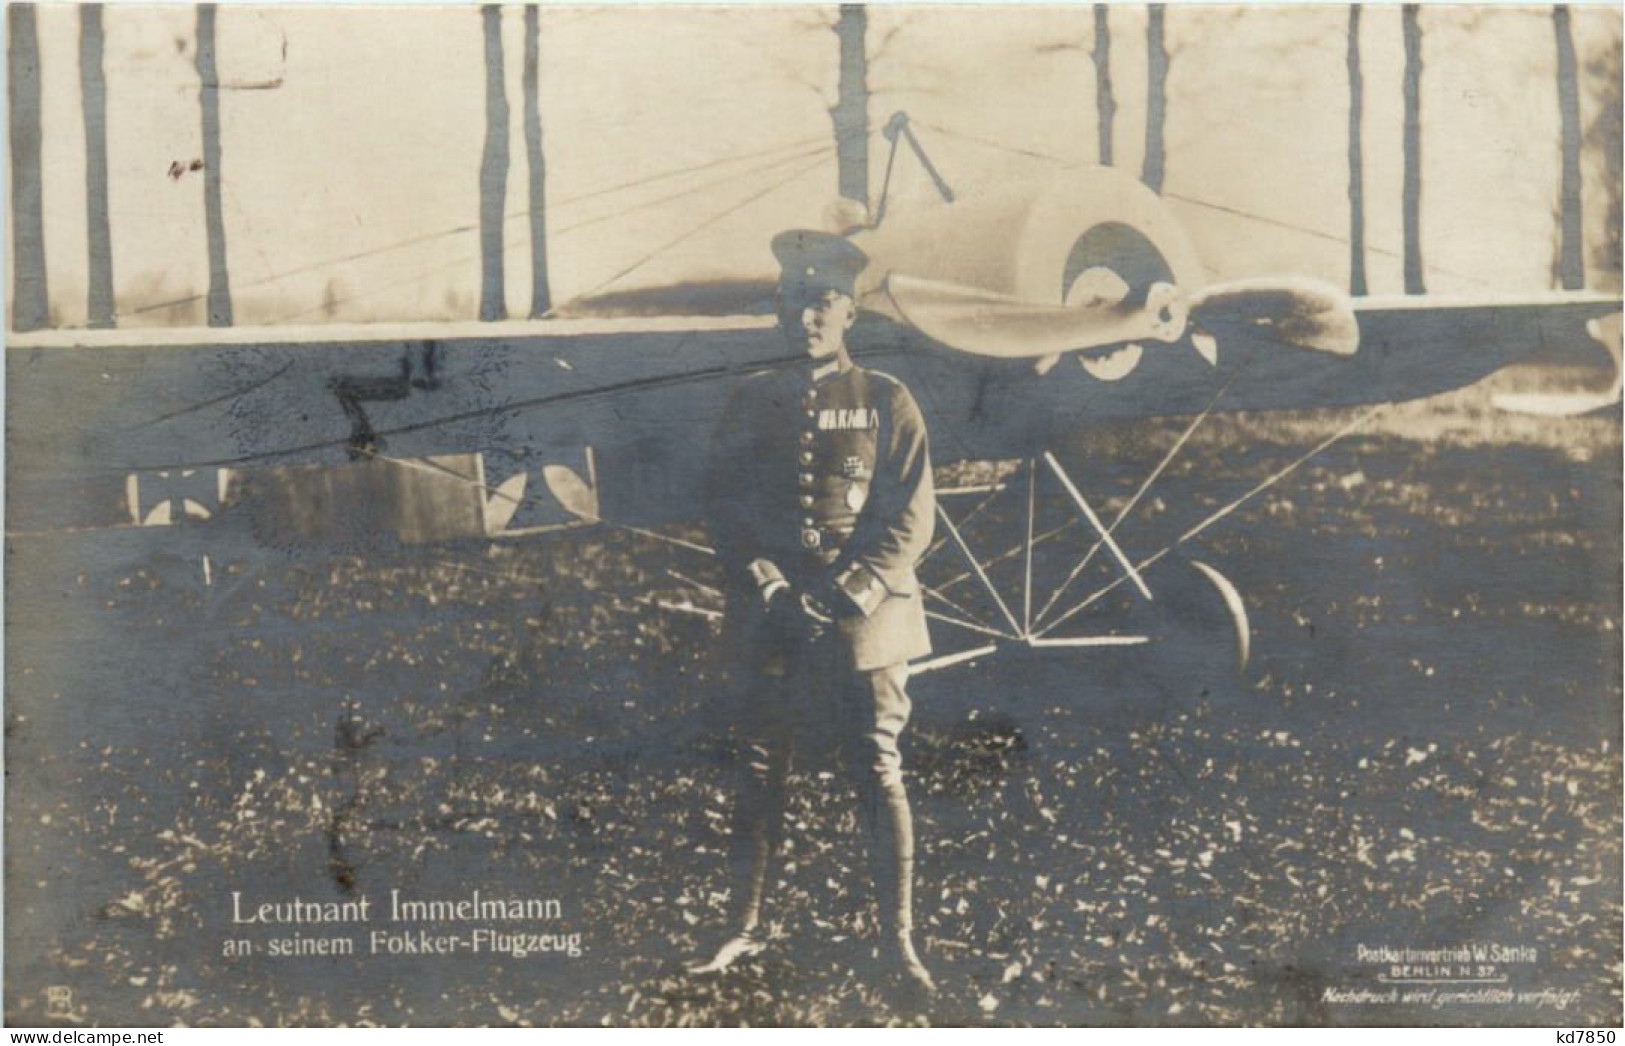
{"x": 798, "y": 616}
{"x": 785, "y": 621}
{"x": 833, "y": 600}
{"x": 816, "y": 609}
{"x": 816, "y": 617}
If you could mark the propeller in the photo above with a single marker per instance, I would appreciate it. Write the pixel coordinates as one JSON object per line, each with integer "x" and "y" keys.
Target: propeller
{"x": 1302, "y": 314}
{"x": 990, "y": 324}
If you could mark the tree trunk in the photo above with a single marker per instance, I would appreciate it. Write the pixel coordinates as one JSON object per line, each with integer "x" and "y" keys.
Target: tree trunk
{"x": 31, "y": 306}
{"x": 1105, "y": 104}
{"x": 851, "y": 112}
{"x": 1357, "y": 278}
{"x": 1156, "y": 107}
{"x": 1412, "y": 216}
{"x": 493, "y": 172}
{"x": 541, "y": 299}
{"x": 93, "y": 92}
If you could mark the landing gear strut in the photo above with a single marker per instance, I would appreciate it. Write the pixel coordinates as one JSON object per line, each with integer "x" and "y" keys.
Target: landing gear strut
{"x": 1034, "y": 618}
{"x": 1200, "y": 599}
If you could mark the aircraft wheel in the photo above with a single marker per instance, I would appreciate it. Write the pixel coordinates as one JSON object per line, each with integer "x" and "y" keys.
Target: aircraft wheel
{"x": 1201, "y": 639}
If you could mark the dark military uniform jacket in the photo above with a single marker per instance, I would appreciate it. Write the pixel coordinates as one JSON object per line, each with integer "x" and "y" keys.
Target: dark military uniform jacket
{"x": 822, "y": 473}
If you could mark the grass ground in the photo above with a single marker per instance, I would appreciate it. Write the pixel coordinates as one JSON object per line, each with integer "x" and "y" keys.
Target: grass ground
{"x": 1423, "y": 753}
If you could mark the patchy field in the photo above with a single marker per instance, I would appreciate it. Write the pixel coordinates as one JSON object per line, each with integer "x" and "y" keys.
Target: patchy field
{"x": 1423, "y": 754}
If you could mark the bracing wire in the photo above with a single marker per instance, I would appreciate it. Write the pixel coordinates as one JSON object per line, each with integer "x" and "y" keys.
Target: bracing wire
{"x": 469, "y": 259}
{"x": 702, "y": 226}
{"x": 430, "y": 237}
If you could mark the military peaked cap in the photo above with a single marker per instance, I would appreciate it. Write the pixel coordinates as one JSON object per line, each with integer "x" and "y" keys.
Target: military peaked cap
{"x": 817, "y": 261}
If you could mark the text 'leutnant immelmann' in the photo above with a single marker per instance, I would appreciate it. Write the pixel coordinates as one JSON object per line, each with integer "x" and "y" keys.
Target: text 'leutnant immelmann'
{"x": 473, "y": 908}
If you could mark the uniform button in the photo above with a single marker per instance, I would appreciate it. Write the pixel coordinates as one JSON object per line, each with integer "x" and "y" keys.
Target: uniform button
{"x": 806, "y": 479}
{"x": 807, "y": 438}
{"x": 811, "y": 397}
{"x": 810, "y": 538}
{"x": 807, "y": 522}
{"x": 806, "y": 457}
{"x": 811, "y": 414}
{"x": 806, "y": 501}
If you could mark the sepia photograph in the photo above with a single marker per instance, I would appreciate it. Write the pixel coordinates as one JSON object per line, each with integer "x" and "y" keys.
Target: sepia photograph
{"x": 813, "y": 515}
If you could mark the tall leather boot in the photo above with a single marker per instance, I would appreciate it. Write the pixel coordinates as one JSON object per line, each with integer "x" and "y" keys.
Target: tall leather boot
{"x": 758, "y": 826}
{"x": 882, "y": 708}
{"x": 889, "y": 840}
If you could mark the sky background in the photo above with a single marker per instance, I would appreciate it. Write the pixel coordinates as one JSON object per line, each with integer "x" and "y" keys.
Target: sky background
{"x": 352, "y": 140}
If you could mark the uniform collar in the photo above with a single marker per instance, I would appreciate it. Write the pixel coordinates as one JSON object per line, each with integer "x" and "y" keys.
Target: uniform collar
{"x": 820, "y": 371}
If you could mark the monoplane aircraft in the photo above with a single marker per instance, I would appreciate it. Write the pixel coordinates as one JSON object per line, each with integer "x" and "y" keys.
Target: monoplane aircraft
{"x": 1015, "y": 315}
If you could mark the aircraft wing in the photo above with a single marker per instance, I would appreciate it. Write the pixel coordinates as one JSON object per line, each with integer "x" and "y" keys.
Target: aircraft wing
{"x": 1409, "y": 348}
{"x": 1469, "y": 336}
{"x": 104, "y": 424}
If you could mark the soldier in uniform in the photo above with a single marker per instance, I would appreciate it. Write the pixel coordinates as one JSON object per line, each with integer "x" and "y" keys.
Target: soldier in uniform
{"x": 821, "y": 504}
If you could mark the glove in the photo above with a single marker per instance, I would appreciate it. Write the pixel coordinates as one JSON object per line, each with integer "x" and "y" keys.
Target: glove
{"x": 787, "y": 624}
{"x": 797, "y": 617}
{"x": 816, "y": 615}
{"x": 794, "y": 615}
{"x": 832, "y": 600}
